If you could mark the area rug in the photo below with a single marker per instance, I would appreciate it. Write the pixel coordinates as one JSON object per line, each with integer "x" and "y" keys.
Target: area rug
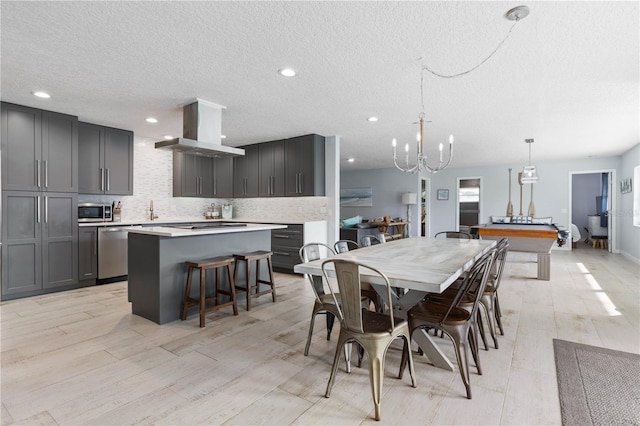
{"x": 597, "y": 386}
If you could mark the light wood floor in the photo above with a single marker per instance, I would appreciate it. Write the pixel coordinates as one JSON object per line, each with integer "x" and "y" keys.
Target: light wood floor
{"x": 81, "y": 357}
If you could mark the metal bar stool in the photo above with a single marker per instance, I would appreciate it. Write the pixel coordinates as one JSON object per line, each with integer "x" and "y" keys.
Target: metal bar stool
{"x": 205, "y": 264}
{"x": 247, "y": 258}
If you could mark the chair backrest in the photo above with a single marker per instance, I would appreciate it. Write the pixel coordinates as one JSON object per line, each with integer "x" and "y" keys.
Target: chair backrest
{"x": 474, "y": 282}
{"x": 315, "y": 251}
{"x": 371, "y": 240}
{"x": 500, "y": 259}
{"x": 343, "y": 246}
{"x": 347, "y": 274}
{"x": 454, "y": 234}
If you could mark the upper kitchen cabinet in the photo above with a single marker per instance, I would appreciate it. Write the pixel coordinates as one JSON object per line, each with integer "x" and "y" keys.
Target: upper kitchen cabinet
{"x": 304, "y": 166}
{"x": 105, "y": 158}
{"x": 39, "y": 150}
{"x": 223, "y": 177}
{"x": 192, "y": 175}
{"x": 272, "y": 169}
{"x": 246, "y": 173}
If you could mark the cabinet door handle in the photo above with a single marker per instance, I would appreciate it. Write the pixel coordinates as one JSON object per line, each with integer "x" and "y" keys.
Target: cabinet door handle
{"x": 244, "y": 186}
{"x": 46, "y": 174}
{"x": 108, "y": 181}
{"x": 38, "y": 173}
{"x": 46, "y": 209}
{"x": 38, "y": 210}
{"x": 281, "y": 253}
{"x": 215, "y": 186}
{"x": 101, "y": 179}
{"x": 301, "y": 183}
{"x": 281, "y": 236}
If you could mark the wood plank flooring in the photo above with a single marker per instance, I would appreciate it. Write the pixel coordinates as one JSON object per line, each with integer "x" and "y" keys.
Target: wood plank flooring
{"x": 81, "y": 357}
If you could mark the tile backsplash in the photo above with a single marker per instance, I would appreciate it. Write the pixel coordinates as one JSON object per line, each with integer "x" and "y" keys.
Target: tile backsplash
{"x": 153, "y": 180}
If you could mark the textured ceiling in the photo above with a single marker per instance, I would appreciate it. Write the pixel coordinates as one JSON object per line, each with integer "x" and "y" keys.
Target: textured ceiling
{"x": 567, "y": 75}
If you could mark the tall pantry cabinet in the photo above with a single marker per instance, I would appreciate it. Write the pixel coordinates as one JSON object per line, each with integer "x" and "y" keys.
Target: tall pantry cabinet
{"x": 39, "y": 200}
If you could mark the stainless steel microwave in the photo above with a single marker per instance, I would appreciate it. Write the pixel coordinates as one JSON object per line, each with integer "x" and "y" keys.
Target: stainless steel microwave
{"x": 94, "y": 212}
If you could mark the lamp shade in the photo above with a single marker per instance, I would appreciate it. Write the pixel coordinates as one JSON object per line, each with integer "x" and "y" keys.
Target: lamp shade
{"x": 409, "y": 198}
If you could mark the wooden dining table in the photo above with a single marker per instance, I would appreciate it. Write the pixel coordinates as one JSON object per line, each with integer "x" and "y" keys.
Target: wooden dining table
{"x": 414, "y": 267}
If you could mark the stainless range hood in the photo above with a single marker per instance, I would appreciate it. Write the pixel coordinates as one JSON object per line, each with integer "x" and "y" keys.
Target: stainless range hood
{"x": 202, "y": 126}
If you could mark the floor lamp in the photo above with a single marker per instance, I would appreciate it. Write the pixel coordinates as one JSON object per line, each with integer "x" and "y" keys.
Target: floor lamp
{"x": 409, "y": 199}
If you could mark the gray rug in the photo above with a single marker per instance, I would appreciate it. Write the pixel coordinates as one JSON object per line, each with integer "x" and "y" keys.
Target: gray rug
{"x": 597, "y": 386}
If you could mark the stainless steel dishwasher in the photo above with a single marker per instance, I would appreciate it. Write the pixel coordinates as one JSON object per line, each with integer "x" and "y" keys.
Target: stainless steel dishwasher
{"x": 112, "y": 251}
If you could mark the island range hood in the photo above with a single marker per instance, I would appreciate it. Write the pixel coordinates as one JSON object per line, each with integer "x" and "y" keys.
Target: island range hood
{"x": 201, "y": 129}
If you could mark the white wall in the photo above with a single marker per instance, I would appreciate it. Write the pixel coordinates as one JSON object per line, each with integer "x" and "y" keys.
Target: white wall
{"x": 629, "y": 234}
{"x": 551, "y": 193}
{"x": 388, "y": 186}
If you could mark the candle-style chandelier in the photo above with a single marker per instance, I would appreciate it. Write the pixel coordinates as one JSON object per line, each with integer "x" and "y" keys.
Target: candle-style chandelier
{"x": 515, "y": 14}
{"x": 421, "y": 155}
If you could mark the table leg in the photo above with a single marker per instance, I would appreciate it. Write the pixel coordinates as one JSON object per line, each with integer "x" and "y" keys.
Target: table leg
{"x": 544, "y": 266}
{"x": 401, "y": 305}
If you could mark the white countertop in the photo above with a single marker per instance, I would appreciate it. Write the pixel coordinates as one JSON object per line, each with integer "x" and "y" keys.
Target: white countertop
{"x": 160, "y": 222}
{"x": 166, "y": 231}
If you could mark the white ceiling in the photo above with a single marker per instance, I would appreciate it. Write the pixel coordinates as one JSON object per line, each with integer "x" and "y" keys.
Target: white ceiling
{"x": 567, "y": 75}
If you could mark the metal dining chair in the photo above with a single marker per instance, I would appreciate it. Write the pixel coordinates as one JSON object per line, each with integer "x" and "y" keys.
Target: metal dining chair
{"x": 343, "y": 246}
{"x": 371, "y": 240}
{"x": 324, "y": 303}
{"x": 454, "y": 234}
{"x": 459, "y": 324}
{"x": 373, "y": 331}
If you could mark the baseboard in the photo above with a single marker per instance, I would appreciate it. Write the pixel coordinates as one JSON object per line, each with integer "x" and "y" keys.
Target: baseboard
{"x": 630, "y": 257}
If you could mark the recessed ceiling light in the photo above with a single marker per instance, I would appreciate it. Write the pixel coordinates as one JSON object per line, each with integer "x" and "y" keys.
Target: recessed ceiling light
{"x": 372, "y": 119}
{"x": 43, "y": 95}
{"x": 168, "y": 137}
{"x": 351, "y": 160}
{"x": 151, "y": 120}
{"x": 286, "y": 72}
{"x": 223, "y": 136}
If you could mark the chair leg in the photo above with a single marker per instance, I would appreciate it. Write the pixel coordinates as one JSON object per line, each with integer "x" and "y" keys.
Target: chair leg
{"x": 330, "y": 319}
{"x": 187, "y": 291}
{"x": 497, "y": 314}
{"x": 202, "y": 295}
{"x": 273, "y": 285}
{"x": 462, "y": 356}
{"x": 309, "y": 337}
{"x": 474, "y": 344}
{"x": 480, "y": 327}
{"x": 334, "y": 367}
{"x": 348, "y": 347}
{"x": 487, "y": 309}
{"x": 247, "y": 267}
{"x": 407, "y": 358}
{"x": 232, "y": 290}
{"x": 376, "y": 374}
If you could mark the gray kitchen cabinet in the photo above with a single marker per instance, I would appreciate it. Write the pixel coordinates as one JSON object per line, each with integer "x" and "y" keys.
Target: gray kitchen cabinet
{"x": 87, "y": 253}
{"x": 223, "y": 177}
{"x": 285, "y": 245}
{"x": 40, "y": 150}
{"x": 40, "y": 242}
{"x": 105, "y": 157}
{"x": 192, "y": 175}
{"x": 271, "y": 169}
{"x": 304, "y": 166}
{"x": 246, "y": 175}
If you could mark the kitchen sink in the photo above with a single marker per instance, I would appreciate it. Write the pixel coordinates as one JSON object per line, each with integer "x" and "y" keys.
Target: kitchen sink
{"x": 209, "y": 225}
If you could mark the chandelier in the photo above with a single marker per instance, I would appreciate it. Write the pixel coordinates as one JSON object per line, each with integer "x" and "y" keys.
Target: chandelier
{"x": 421, "y": 161}
{"x": 421, "y": 155}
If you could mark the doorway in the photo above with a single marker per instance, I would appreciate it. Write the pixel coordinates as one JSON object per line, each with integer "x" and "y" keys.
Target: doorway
{"x": 424, "y": 206}
{"x": 592, "y": 195}
{"x": 469, "y": 203}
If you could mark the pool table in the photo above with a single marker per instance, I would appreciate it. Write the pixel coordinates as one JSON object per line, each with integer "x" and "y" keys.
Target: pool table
{"x": 525, "y": 238}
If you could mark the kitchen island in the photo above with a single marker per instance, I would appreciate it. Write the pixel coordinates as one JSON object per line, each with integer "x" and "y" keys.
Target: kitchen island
{"x": 156, "y": 257}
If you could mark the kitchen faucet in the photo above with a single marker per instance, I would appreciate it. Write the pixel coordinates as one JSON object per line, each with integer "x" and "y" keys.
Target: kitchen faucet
{"x": 151, "y": 214}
